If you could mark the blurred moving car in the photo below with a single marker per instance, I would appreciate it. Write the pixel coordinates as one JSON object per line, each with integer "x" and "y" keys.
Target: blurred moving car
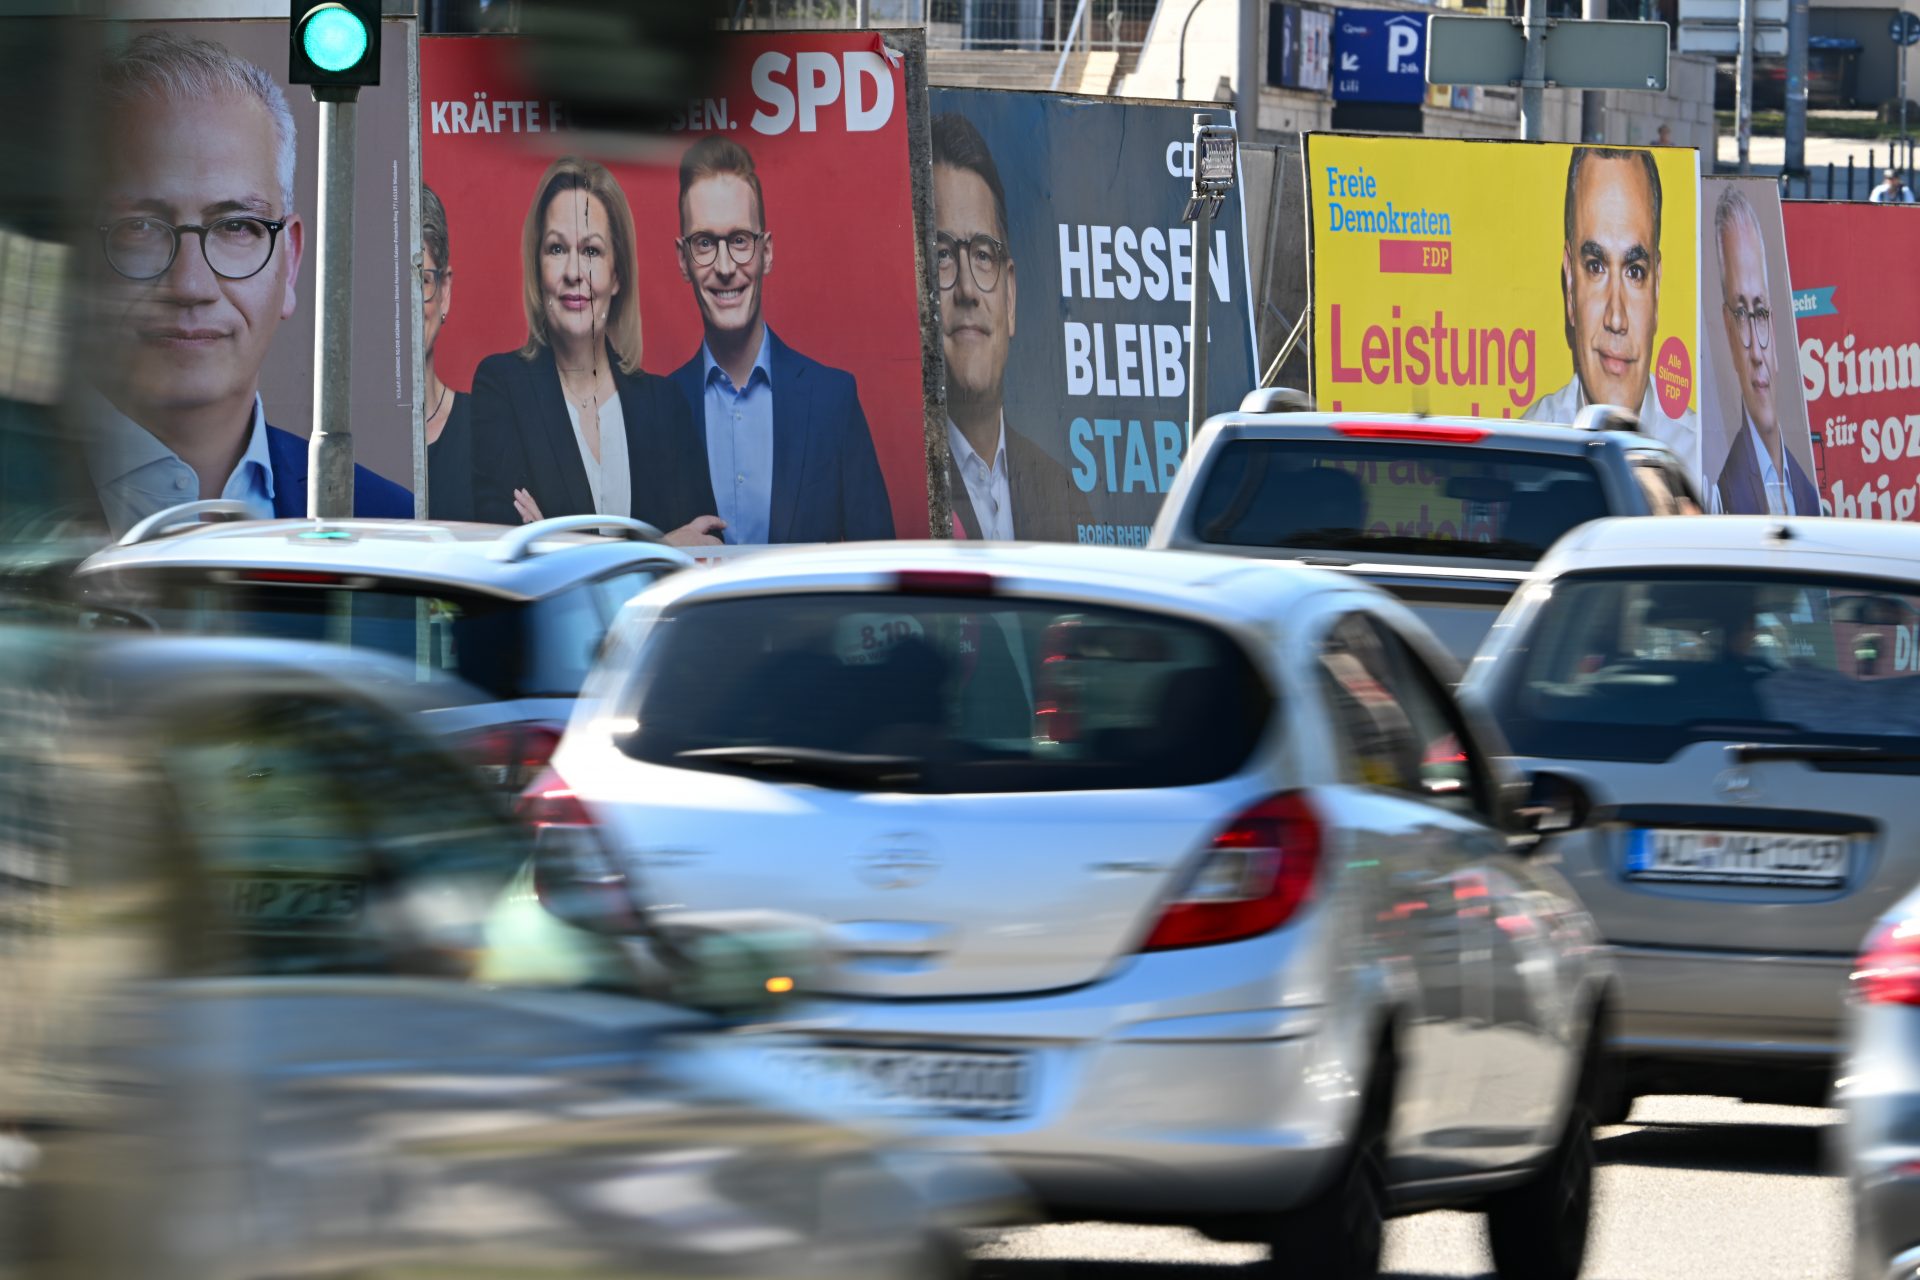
{"x": 1726, "y": 711}
{"x": 1879, "y": 1089}
{"x": 1176, "y": 883}
{"x": 271, "y": 1059}
{"x": 517, "y": 613}
{"x": 1447, "y": 514}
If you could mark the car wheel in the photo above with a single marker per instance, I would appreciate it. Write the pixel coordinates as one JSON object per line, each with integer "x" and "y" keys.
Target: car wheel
{"x": 1339, "y": 1233}
{"x": 1539, "y": 1230}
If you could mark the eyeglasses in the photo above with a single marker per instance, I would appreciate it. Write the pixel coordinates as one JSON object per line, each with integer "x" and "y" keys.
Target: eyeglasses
{"x": 1753, "y": 326}
{"x": 705, "y": 247}
{"x": 430, "y": 279}
{"x": 985, "y": 256}
{"x": 236, "y": 248}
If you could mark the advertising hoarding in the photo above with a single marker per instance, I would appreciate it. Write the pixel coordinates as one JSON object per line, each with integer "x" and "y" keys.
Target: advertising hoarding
{"x": 1459, "y": 277}
{"x": 1069, "y": 349}
{"x": 1299, "y": 47}
{"x": 1859, "y": 345}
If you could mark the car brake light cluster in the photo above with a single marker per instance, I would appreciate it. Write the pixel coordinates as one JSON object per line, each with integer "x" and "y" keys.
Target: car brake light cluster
{"x": 1254, "y": 877}
{"x": 1450, "y": 432}
{"x": 510, "y": 756}
{"x": 1888, "y": 971}
{"x": 573, "y": 872}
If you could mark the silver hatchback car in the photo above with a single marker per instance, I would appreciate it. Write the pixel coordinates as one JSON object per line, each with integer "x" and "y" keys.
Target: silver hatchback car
{"x": 1177, "y": 884}
{"x": 1727, "y": 709}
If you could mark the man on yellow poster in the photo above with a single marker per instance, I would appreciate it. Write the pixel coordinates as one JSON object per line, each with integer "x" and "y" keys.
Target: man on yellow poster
{"x": 1610, "y": 284}
{"x": 1506, "y": 280}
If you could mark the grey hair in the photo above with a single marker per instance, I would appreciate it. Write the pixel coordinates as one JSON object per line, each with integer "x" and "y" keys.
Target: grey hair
{"x": 1734, "y": 204}
{"x": 433, "y": 225}
{"x": 173, "y": 68}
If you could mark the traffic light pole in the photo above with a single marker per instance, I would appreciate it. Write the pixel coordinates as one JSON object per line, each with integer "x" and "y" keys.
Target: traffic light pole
{"x": 330, "y": 451}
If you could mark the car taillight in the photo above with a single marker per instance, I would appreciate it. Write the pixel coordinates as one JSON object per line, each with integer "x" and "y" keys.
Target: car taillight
{"x": 510, "y": 756}
{"x": 574, "y": 874}
{"x": 1888, "y": 971}
{"x": 1256, "y": 874}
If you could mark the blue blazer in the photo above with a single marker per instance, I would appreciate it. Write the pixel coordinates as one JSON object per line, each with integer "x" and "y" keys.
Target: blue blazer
{"x": 1741, "y": 490}
{"x": 373, "y": 495}
{"x": 827, "y": 485}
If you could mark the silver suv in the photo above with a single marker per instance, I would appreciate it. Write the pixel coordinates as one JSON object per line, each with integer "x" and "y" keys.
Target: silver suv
{"x": 1448, "y": 514}
{"x": 516, "y": 613}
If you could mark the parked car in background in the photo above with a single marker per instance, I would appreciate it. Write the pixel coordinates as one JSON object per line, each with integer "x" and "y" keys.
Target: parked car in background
{"x": 1448, "y": 514}
{"x": 1879, "y": 1089}
{"x": 1728, "y": 708}
{"x": 517, "y": 613}
{"x": 1178, "y": 884}
{"x": 272, "y": 1057}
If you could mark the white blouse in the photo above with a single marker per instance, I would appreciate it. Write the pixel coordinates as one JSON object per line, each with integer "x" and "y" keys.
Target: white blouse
{"x": 608, "y": 477}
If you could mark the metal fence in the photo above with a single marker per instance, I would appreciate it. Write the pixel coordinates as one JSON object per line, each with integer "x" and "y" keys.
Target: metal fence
{"x": 1038, "y": 25}
{"x": 1851, "y": 181}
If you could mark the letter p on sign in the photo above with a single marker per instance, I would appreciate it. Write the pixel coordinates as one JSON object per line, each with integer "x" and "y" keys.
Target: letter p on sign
{"x": 1403, "y": 43}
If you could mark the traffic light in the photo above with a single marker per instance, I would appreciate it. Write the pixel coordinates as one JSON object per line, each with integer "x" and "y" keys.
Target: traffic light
{"x": 335, "y": 43}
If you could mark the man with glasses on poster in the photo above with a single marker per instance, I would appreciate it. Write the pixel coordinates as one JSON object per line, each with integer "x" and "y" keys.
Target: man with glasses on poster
{"x": 788, "y": 448}
{"x": 201, "y": 246}
{"x": 1004, "y": 486}
{"x": 1761, "y": 475}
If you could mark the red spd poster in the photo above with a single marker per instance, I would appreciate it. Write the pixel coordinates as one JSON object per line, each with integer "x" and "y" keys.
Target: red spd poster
{"x": 1859, "y": 353}
{"x": 716, "y": 332}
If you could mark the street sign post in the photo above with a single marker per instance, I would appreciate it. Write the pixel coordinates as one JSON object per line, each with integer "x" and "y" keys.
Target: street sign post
{"x": 1904, "y": 30}
{"x": 1536, "y": 53}
{"x": 1215, "y": 161}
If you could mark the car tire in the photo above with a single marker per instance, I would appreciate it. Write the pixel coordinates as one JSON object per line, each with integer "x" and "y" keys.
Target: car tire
{"x": 1339, "y": 1233}
{"x": 1538, "y": 1230}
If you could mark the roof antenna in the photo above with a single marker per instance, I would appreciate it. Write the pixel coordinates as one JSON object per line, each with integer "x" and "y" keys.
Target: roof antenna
{"x": 1782, "y": 532}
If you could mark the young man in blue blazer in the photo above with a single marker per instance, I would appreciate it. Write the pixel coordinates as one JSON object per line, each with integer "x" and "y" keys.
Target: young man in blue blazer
{"x": 787, "y": 443}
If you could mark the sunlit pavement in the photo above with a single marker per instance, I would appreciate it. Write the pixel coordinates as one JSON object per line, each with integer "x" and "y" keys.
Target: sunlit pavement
{"x": 1694, "y": 1188}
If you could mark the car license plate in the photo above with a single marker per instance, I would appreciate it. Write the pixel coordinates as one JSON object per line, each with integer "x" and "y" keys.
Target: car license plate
{"x": 1739, "y": 857}
{"x": 291, "y": 904}
{"x": 908, "y": 1081}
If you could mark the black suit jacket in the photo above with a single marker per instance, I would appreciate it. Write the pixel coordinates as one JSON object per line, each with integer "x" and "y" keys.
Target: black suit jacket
{"x": 1047, "y": 505}
{"x": 522, "y": 439}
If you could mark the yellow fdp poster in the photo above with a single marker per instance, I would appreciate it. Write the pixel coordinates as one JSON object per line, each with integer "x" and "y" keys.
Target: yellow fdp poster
{"x": 1506, "y": 280}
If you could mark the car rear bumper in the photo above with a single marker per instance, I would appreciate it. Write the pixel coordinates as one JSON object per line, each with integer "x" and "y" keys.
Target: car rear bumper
{"x": 1133, "y": 1108}
{"x": 1678, "y": 1002}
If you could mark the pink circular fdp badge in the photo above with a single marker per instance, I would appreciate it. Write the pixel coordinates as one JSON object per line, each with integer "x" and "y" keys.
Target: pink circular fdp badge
{"x": 1673, "y": 375}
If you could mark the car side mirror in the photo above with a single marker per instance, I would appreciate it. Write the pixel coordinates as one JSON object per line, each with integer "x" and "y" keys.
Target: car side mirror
{"x": 1553, "y": 804}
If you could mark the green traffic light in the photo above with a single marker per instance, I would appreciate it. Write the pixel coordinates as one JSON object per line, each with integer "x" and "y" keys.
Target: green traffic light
{"x": 334, "y": 39}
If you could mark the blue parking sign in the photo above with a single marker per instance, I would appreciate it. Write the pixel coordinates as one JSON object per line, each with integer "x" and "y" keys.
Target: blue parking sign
{"x": 1379, "y": 56}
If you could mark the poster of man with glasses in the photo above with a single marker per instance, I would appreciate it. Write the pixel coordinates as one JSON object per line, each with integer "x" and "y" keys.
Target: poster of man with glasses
{"x": 788, "y": 448}
{"x": 1758, "y": 447}
{"x": 201, "y": 373}
{"x": 1066, "y": 278}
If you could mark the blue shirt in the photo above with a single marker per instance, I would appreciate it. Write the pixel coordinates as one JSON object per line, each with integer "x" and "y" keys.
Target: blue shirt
{"x": 136, "y": 475}
{"x": 740, "y": 445}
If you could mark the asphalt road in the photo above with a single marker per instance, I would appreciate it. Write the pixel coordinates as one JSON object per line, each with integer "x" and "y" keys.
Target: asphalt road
{"x": 1693, "y": 1189}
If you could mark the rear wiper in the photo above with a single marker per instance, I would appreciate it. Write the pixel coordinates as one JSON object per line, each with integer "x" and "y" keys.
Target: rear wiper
{"x": 1819, "y": 753}
{"x": 813, "y": 764}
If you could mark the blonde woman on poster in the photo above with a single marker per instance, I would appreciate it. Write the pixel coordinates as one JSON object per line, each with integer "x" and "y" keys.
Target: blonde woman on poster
{"x": 570, "y": 423}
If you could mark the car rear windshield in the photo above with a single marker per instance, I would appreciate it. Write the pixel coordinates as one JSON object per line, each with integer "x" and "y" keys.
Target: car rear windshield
{"x": 1635, "y": 668}
{"x": 1401, "y": 497}
{"x": 904, "y": 692}
{"x": 509, "y": 649}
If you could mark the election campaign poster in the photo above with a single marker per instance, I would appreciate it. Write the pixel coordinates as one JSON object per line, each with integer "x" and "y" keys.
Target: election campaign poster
{"x": 202, "y": 276}
{"x": 717, "y": 331}
{"x": 1065, "y": 294}
{"x": 1506, "y": 280}
{"x": 1859, "y": 345}
{"x": 1755, "y": 446}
